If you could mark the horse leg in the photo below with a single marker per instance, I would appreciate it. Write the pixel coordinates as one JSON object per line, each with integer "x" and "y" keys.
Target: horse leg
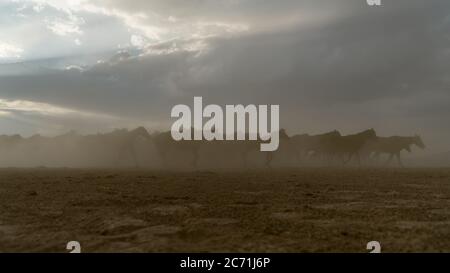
{"x": 341, "y": 157}
{"x": 358, "y": 156}
{"x": 389, "y": 159}
{"x": 334, "y": 158}
{"x": 299, "y": 156}
{"x": 116, "y": 161}
{"x": 136, "y": 163}
{"x": 399, "y": 160}
{"x": 323, "y": 156}
{"x": 164, "y": 153}
{"x": 164, "y": 164}
{"x": 195, "y": 159}
{"x": 350, "y": 156}
{"x": 269, "y": 159}
{"x": 376, "y": 158}
{"x": 329, "y": 159}
{"x": 123, "y": 152}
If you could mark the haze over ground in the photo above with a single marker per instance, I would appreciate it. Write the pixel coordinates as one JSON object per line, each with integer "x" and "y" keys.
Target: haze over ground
{"x": 97, "y": 65}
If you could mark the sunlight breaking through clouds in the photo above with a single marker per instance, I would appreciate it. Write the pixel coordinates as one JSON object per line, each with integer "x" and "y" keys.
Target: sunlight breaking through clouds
{"x": 75, "y": 18}
{"x": 4, "y": 113}
{"x": 66, "y": 26}
{"x": 9, "y": 51}
{"x": 36, "y": 117}
{"x": 11, "y": 106}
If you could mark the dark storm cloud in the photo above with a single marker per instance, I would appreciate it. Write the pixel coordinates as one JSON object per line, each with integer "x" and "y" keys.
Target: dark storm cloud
{"x": 354, "y": 67}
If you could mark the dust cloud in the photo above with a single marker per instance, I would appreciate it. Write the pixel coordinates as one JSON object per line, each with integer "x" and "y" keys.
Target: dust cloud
{"x": 139, "y": 149}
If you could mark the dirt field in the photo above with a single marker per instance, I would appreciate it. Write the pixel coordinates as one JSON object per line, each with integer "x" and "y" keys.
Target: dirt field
{"x": 292, "y": 210}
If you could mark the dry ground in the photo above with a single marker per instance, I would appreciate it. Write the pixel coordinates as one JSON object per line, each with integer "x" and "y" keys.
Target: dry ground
{"x": 291, "y": 210}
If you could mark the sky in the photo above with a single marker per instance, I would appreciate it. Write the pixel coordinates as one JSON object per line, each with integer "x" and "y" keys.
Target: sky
{"x": 96, "y": 65}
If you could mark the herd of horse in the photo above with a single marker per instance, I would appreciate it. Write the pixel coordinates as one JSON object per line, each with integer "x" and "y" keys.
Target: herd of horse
{"x": 330, "y": 148}
{"x": 365, "y": 145}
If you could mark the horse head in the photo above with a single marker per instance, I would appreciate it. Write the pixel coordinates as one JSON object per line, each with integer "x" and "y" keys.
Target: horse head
{"x": 417, "y": 140}
{"x": 336, "y": 133}
{"x": 370, "y": 133}
{"x": 283, "y": 134}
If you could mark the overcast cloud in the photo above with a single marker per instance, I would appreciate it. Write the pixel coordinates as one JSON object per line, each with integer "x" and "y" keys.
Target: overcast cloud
{"x": 102, "y": 64}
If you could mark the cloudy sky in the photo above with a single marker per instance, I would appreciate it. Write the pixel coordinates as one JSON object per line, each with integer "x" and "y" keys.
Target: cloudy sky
{"x": 94, "y": 65}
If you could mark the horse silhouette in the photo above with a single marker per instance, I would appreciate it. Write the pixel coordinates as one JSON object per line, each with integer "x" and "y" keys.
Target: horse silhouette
{"x": 165, "y": 145}
{"x": 316, "y": 145}
{"x": 393, "y": 146}
{"x": 124, "y": 141}
{"x": 351, "y": 145}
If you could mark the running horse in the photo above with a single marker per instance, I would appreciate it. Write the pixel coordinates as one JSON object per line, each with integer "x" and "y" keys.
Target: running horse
{"x": 393, "y": 146}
